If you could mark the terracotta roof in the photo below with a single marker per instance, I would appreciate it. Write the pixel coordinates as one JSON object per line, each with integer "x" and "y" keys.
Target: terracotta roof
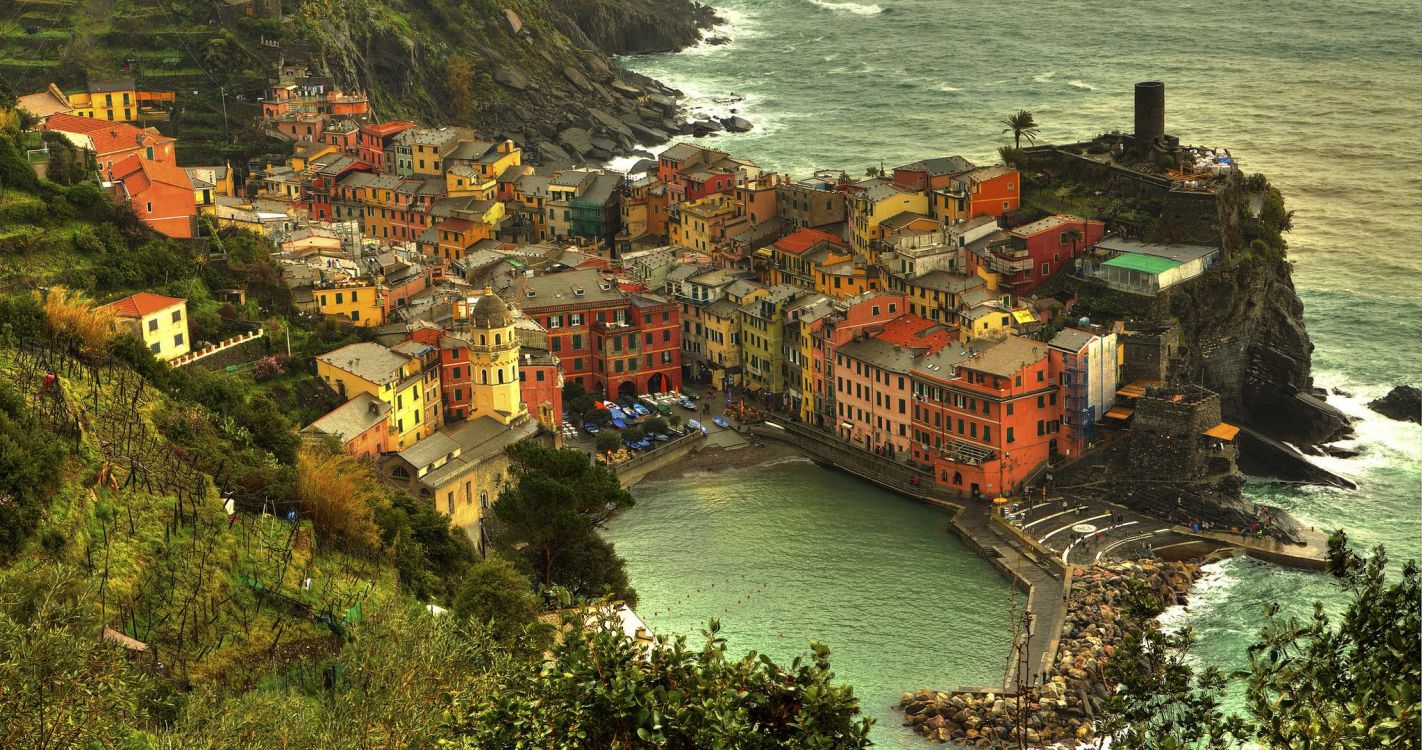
{"x": 106, "y": 136}
{"x": 913, "y": 331}
{"x": 142, "y": 304}
{"x": 152, "y": 171}
{"x": 801, "y": 240}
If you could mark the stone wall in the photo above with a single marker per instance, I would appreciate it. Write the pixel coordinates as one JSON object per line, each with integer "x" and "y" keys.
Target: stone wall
{"x": 1166, "y": 440}
{"x": 239, "y": 352}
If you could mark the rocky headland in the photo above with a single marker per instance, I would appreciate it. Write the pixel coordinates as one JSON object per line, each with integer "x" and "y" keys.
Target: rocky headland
{"x": 1403, "y": 403}
{"x": 1064, "y": 709}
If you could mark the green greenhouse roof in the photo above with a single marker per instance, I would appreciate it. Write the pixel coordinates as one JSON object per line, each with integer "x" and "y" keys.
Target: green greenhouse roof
{"x": 1143, "y": 263}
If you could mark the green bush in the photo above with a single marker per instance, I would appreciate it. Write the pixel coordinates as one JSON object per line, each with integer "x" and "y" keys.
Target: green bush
{"x": 30, "y": 456}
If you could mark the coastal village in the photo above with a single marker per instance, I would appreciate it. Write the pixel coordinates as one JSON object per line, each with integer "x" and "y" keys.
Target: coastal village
{"x": 913, "y": 325}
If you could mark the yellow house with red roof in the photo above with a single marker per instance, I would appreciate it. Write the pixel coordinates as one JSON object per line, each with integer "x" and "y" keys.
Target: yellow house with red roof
{"x": 160, "y": 322}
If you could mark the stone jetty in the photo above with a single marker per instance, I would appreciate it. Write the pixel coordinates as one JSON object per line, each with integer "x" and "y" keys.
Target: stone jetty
{"x": 1063, "y": 710}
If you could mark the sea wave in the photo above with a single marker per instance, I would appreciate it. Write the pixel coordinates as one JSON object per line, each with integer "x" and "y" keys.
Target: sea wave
{"x": 1213, "y": 585}
{"x": 858, "y": 9}
{"x": 735, "y": 26}
{"x": 945, "y": 88}
{"x": 1044, "y": 77}
{"x": 1080, "y": 85}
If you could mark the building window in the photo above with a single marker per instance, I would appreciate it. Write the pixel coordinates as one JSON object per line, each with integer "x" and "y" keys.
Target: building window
{"x": 1010, "y": 436}
{"x": 178, "y": 340}
{"x": 451, "y": 502}
{"x": 154, "y": 348}
{"x": 153, "y": 324}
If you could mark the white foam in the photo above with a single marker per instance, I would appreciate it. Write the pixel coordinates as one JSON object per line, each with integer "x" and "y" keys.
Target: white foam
{"x": 1080, "y": 85}
{"x": 945, "y": 88}
{"x": 858, "y": 9}
{"x": 1043, "y": 77}
{"x": 1213, "y": 585}
{"x": 736, "y": 26}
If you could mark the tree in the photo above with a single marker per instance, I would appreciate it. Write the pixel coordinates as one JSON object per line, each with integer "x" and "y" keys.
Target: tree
{"x": 75, "y": 321}
{"x": 495, "y": 595}
{"x": 607, "y": 690}
{"x": 1307, "y": 686}
{"x": 1021, "y": 125}
{"x": 459, "y": 80}
{"x": 608, "y": 440}
{"x": 654, "y": 425}
{"x": 545, "y": 519}
{"x": 1352, "y": 687}
{"x": 30, "y": 459}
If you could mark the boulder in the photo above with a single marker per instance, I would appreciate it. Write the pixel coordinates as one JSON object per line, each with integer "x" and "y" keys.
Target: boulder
{"x": 737, "y": 124}
{"x": 1403, "y": 403}
{"x": 609, "y": 122}
{"x": 515, "y": 23}
{"x": 598, "y": 68}
{"x": 576, "y": 140}
{"x": 576, "y": 78}
{"x": 625, "y": 89}
{"x": 511, "y": 78}
{"x": 604, "y": 143}
{"x": 551, "y": 153}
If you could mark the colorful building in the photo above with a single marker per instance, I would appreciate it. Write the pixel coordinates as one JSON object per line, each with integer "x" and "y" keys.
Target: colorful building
{"x": 1087, "y": 365}
{"x": 359, "y": 302}
{"x": 850, "y": 319}
{"x": 160, "y": 194}
{"x": 121, "y": 101}
{"x": 986, "y": 416}
{"x": 872, "y": 388}
{"x": 161, "y": 323}
{"x": 397, "y": 379}
{"x": 359, "y": 425}
{"x": 111, "y": 142}
{"x": 1033, "y": 253}
{"x": 871, "y": 203}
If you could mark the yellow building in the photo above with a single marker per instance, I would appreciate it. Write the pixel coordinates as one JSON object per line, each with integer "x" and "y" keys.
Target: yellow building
{"x": 844, "y": 279}
{"x": 701, "y": 224}
{"x": 493, "y": 361}
{"x": 874, "y": 202}
{"x": 460, "y": 470}
{"x": 161, "y": 322}
{"x": 121, "y": 101}
{"x": 360, "y": 303}
{"x": 399, "y": 380}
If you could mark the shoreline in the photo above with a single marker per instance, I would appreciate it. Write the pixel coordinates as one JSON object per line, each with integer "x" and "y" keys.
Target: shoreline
{"x": 714, "y": 458}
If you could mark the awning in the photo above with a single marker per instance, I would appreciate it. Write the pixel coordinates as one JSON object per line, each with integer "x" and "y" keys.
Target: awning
{"x": 846, "y": 425}
{"x": 1224, "y": 431}
{"x": 764, "y": 252}
{"x": 1137, "y": 389}
{"x": 1023, "y": 317}
{"x": 1120, "y": 412}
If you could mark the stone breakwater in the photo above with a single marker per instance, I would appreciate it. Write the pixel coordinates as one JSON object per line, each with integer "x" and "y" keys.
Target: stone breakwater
{"x": 1064, "y": 709}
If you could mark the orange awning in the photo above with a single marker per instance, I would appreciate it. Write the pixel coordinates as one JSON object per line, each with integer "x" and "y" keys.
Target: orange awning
{"x": 1137, "y": 389}
{"x": 1224, "y": 431}
{"x": 1120, "y": 412}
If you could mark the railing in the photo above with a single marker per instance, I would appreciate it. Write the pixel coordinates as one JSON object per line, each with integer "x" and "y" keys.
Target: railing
{"x": 212, "y": 349}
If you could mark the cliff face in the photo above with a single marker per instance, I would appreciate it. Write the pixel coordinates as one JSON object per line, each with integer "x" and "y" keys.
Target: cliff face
{"x": 537, "y": 71}
{"x": 1245, "y": 339}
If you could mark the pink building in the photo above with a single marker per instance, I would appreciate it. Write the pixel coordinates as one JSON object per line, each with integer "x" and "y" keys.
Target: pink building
{"x": 858, "y": 314}
{"x": 873, "y": 391}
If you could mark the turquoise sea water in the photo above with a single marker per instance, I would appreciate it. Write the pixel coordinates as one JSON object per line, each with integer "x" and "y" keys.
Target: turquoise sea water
{"x": 1325, "y": 97}
{"x": 789, "y": 552}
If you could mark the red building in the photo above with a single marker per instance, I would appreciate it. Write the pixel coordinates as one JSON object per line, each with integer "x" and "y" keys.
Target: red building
{"x": 376, "y": 139}
{"x": 540, "y": 386}
{"x": 1033, "y": 253}
{"x": 985, "y": 417}
{"x": 609, "y": 341}
{"x": 160, "y": 193}
{"x": 326, "y": 172}
{"x": 932, "y": 174}
{"x": 991, "y": 191}
{"x": 691, "y": 172}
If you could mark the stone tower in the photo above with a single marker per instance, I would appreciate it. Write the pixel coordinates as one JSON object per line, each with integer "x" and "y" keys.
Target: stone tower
{"x": 493, "y": 361}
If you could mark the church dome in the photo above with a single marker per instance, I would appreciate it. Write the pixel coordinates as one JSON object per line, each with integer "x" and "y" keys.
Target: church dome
{"x": 490, "y": 312}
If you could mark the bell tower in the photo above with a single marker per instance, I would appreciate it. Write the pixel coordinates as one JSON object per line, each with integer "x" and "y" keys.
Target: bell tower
{"x": 493, "y": 361}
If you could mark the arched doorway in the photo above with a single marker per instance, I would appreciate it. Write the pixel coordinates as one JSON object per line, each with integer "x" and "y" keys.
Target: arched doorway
{"x": 657, "y": 383}
{"x": 627, "y": 388}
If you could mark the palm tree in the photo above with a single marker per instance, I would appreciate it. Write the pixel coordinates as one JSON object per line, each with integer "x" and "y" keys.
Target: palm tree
{"x": 1020, "y": 125}
{"x": 1075, "y": 236}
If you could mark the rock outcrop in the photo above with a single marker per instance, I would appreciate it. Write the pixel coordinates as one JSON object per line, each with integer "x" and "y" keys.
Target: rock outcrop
{"x": 1403, "y": 403}
{"x": 1064, "y": 709}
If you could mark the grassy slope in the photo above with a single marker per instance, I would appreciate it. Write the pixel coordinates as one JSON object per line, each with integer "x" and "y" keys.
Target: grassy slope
{"x": 188, "y": 588}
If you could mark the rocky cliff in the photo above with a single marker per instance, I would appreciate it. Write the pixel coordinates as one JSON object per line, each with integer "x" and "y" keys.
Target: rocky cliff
{"x": 538, "y": 71}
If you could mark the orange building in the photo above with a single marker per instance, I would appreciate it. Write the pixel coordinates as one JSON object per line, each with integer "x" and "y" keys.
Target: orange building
{"x": 359, "y": 425}
{"x": 110, "y": 142}
{"x": 991, "y": 191}
{"x": 160, "y": 193}
{"x": 985, "y": 415}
